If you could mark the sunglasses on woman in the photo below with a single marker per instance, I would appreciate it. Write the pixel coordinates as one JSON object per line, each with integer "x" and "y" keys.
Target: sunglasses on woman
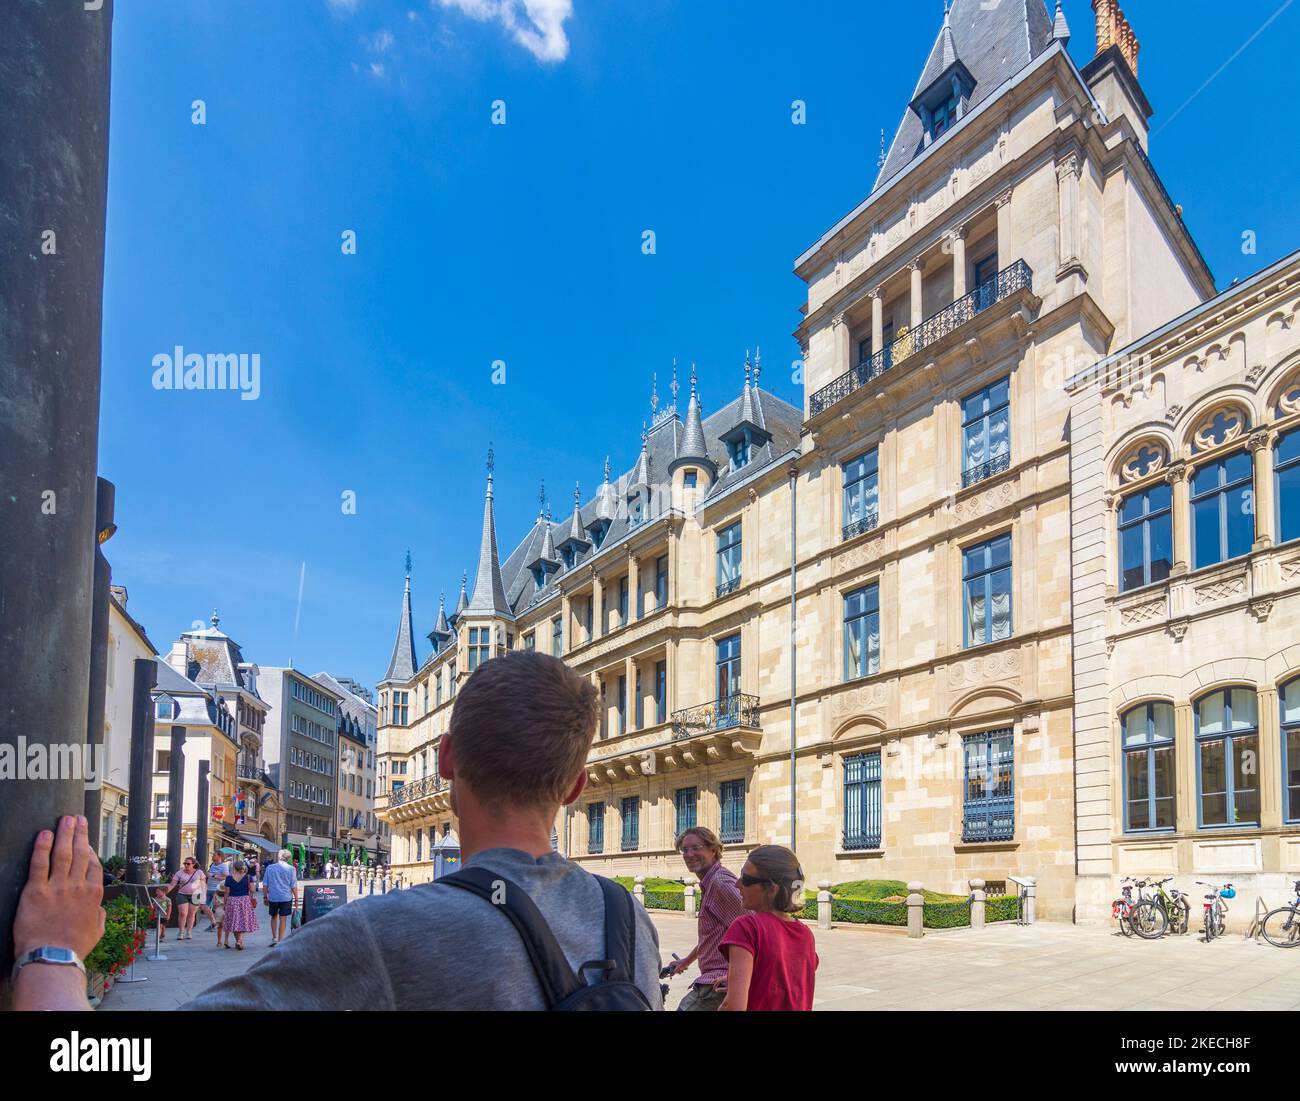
{"x": 753, "y": 880}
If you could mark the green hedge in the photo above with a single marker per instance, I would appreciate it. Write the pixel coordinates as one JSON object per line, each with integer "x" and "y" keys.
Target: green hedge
{"x": 1001, "y": 908}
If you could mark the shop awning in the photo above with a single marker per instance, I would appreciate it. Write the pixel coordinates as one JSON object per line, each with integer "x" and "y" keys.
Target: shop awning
{"x": 261, "y": 842}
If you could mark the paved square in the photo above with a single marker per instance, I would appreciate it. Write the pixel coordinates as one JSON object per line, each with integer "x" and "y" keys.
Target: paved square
{"x": 1044, "y": 966}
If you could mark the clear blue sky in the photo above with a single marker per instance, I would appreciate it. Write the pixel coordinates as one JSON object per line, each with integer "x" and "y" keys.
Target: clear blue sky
{"x": 519, "y": 243}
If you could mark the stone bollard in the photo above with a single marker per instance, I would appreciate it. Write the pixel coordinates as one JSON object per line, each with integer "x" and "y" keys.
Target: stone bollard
{"x": 638, "y": 889}
{"x": 977, "y": 904}
{"x": 824, "y": 904}
{"x": 691, "y": 895}
{"x": 915, "y": 911}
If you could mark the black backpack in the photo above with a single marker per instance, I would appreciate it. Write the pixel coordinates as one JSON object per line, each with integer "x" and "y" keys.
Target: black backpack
{"x": 562, "y": 989}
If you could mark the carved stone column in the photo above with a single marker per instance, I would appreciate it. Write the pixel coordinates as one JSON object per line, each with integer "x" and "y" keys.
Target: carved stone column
{"x": 957, "y": 243}
{"x": 840, "y": 344}
{"x": 1261, "y": 448}
{"x": 1176, "y": 476}
{"x": 1006, "y": 246}
{"x": 634, "y": 586}
{"x": 877, "y": 319}
{"x": 917, "y": 306}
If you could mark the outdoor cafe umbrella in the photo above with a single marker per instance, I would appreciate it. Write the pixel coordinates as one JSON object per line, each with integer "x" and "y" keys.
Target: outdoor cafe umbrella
{"x": 229, "y": 851}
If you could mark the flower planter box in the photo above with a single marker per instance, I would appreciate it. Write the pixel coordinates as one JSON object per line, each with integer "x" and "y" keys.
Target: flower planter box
{"x": 97, "y": 985}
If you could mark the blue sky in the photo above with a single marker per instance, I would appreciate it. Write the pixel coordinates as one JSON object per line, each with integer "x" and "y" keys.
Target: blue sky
{"x": 521, "y": 243}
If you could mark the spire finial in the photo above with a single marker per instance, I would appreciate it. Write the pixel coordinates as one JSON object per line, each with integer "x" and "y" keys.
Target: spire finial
{"x": 217, "y": 619}
{"x": 694, "y": 380}
{"x": 645, "y": 435}
{"x": 408, "y": 562}
{"x": 577, "y": 494}
{"x": 464, "y": 580}
{"x": 758, "y": 361}
{"x": 541, "y": 498}
{"x": 747, "y": 368}
{"x": 880, "y": 163}
{"x": 654, "y": 393}
{"x": 674, "y": 386}
{"x": 491, "y": 460}
{"x": 442, "y": 598}
{"x": 607, "y": 468}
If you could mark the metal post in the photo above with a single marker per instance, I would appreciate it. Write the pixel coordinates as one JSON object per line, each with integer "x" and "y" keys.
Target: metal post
{"x": 104, "y": 528}
{"x": 139, "y": 796}
{"x": 53, "y": 190}
{"x": 201, "y": 843}
{"x": 176, "y": 799}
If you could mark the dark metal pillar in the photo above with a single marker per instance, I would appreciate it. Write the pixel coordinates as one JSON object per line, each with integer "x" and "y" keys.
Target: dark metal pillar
{"x": 176, "y": 800}
{"x": 201, "y": 843}
{"x": 104, "y": 528}
{"x": 54, "y": 148}
{"x": 140, "y": 794}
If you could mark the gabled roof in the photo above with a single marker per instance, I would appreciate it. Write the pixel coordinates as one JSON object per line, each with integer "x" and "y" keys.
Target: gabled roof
{"x": 993, "y": 41}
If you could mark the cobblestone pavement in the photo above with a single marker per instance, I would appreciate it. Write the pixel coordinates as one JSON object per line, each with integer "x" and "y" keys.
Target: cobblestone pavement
{"x": 1045, "y": 966}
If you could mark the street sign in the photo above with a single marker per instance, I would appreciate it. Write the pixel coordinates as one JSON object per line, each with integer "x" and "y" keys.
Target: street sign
{"x": 317, "y": 901}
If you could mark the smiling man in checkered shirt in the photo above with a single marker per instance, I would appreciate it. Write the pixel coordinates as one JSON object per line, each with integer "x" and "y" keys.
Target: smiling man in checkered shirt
{"x": 719, "y": 906}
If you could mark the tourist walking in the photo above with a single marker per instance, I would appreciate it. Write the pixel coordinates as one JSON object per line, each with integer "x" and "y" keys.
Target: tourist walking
{"x": 772, "y": 954}
{"x": 241, "y": 907}
{"x": 164, "y": 911}
{"x": 188, "y": 882}
{"x": 216, "y": 876}
{"x": 218, "y": 910}
{"x": 280, "y": 887}
{"x": 720, "y": 905}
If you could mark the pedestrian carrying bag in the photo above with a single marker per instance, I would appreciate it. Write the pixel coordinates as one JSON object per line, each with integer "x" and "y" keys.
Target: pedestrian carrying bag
{"x": 615, "y": 990}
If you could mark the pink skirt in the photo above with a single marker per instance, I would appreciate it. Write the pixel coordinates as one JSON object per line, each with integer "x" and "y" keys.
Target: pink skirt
{"x": 241, "y": 915}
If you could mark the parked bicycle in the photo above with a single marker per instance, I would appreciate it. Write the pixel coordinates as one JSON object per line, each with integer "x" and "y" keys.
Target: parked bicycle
{"x": 1171, "y": 904}
{"x": 1216, "y": 909}
{"x": 1281, "y": 927}
{"x": 1122, "y": 908}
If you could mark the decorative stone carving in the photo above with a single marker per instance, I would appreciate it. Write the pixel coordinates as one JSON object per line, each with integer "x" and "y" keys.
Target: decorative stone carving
{"x": 1224, "y": 589}
{"x": 1290, "y": 568}
{"x": 863, "y": 553}
{"x": 1142, "y": 613}
{"x": 857, "y": 701}
{"x": 1223, "y": 425}
{"x": 1172, "y": 413}
{"x": 986, "y": 669}
{"x": 1289, "y": 401}
{"x": 981, "y": 504}
{"x": 1177, "y": 629}
{"x": 1147, "y": 458}
{"x": 1257, "y": 441}
{"x": 1261, "y": 608}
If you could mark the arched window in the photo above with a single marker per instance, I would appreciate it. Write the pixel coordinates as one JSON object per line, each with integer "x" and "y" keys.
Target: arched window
{"x": 1147, "y": 732}
{"x": 1223, "y": 520}
{"x": 1145, "y": 537}
{"x": 1289, "y": 697}
{"x": 1286, "y": 463}
{"x": 1227, "y": 758}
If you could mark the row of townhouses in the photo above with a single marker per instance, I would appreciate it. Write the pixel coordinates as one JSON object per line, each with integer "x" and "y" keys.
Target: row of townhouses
{"x": 287, "y": 759}
{"x": 1016, "y": 592}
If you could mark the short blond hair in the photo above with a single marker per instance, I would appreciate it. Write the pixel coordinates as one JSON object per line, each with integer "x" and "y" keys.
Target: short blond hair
{"x": 521, "y": 729}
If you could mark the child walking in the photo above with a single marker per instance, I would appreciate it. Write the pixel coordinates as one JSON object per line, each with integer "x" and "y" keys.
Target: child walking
{"x": 771, "y": 955}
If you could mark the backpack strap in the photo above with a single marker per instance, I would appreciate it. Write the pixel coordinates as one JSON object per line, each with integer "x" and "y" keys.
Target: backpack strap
{"x": 620, "y": 931}
{"x": 549, "y": 962}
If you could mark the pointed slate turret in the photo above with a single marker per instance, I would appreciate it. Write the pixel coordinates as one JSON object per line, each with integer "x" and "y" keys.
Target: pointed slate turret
{"x": 441, "y": 631}
{"x": 462, "y": 604}
{"x": 979, "y": 46}
{"x": 604, "y": 509}
{"x": 1060, "y": 28}
{"x": 489, "y": 593}
{"x": 641, "y": 475}
{"x": 694, "y": 448}
{"x": 402, "y": 665}
{"x": 575, "y": 536}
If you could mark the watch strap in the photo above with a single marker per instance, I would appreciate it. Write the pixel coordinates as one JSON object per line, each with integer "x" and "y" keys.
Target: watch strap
{"x": 46, "y": 954}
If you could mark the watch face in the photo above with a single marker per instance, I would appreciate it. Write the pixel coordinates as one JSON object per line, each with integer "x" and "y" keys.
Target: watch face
{"x": 59, "y": 955}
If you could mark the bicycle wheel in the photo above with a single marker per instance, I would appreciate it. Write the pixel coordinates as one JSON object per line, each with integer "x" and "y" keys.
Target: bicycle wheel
{"x": 1210, "y": 929}
{"x": 1281, "y": 928}
{"x": 1149, "y": 921}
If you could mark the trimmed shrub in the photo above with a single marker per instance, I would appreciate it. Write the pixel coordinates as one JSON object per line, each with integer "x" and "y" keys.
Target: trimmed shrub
{"x": 1001, "y": 908}
{"x": 946, "y": 915}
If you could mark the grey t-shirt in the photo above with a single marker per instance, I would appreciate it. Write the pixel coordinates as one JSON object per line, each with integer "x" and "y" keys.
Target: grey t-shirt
{"x": 434, "y": 947}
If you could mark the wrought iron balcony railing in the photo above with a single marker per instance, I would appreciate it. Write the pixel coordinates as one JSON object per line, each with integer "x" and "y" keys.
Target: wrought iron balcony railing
{"x": 725, "y": 587}
{"x": 856, "y": 841}
{"x": 417, "y": 789}
{"x": 1010, "y": 280}
{"x": 250, "y": 772}
{"x": 995, "y": 465}
{"x": 740, "y": 709}
{"x": 857, "y": 527}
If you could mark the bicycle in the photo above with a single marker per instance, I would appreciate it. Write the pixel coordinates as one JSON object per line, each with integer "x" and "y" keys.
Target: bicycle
{"x": 1175, "y": 907}
{"x": 1148, "y": 920}
{"x": 1215, "y": 908}
{"x": 1122, "y": 908}
{"x": 1285, "y": 932}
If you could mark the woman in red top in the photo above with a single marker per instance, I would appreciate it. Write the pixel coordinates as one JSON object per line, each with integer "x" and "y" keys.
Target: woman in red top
{"x": 772, "y": 956}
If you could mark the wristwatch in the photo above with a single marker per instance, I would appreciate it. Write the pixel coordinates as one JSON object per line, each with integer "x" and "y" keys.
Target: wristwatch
{"x": 63, "y": 957}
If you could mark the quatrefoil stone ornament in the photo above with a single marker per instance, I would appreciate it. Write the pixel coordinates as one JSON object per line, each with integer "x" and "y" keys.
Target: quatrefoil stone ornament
{"x": 1145, "y": 459}
{"x": 1219, "y": 428}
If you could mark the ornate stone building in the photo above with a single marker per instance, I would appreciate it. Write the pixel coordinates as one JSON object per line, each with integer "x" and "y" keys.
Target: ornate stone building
{"x": 849, "y": 627}
{"x": 1185, "y": 459}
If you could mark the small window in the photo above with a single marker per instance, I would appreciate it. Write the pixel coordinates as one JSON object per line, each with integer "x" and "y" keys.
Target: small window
{"x": 862, "y": 632}
{"x": 689, "y": 479}
{"x": 732, "y": 793}
{"x": 986, "y": 432}
{"x": 728, "y": 563}
{"x": 631, "y": 808}
{"x": 684, "y": 804}
{"x": 862, "y": 816}
{"x": 986, "y": 586}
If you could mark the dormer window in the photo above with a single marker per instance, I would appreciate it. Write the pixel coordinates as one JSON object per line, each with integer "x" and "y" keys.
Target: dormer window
{"x": 570, "y": 556}
{"x": 942, "y": 118}
{"x": 739, "y": 449}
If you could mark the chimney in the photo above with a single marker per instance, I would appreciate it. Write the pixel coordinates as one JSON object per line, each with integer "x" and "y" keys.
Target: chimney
{"x": 179, "y": 657}
{"x": 119, "y": 594}
{"x": 1113, "y": 29}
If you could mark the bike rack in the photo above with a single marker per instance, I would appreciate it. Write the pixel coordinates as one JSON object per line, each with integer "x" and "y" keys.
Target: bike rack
{"x": 1257, "y": 922}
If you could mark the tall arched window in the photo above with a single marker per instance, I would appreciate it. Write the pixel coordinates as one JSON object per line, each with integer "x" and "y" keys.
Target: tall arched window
{"x": 1223, "y": 520}
{"x": 1147, "y": 731}
{"x": 1145, "y": 537}
{"x": 1227, "y": 758}
{"x": 1286, "y": 463}
{"x": 1289, "y": 698}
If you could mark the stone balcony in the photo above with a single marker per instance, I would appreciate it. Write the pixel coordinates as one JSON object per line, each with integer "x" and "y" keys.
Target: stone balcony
{"x": 1015, "y": 281}
{"x": 418, "y": 799}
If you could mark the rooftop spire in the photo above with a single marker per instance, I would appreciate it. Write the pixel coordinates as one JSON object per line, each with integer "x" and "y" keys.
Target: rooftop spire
{"x": 402, "y": 665}
{"x": 463, "y": 603}
{"x": 489, "y": 597}
{"x": 1060, "y": 28}
{"x": 694, "y": 448}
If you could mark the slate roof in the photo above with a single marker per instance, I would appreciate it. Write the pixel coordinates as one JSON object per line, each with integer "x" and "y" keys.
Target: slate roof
{"x": 992, "y": 41}
{"x": 402, "y": 665}
{"x": 219, "y": 661}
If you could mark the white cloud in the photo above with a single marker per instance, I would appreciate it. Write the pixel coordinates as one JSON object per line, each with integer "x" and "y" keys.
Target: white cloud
{"x": 537, "y": 25}
{"x": 345, "y": 6}
{"x": 382, "y": 42}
